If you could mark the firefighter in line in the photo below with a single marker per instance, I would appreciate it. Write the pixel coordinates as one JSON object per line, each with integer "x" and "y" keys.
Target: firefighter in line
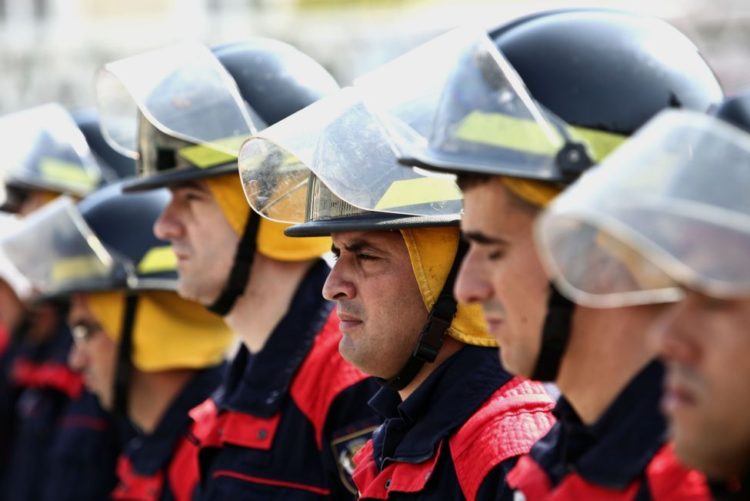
{"x": 148, "y": 355}
{"x": 519, "y": 116}
{"x": 673, "y": 201}
{"x": 455, "y": 421}
{"x": 46, "y": 156}
{"x": 290, "y": 411}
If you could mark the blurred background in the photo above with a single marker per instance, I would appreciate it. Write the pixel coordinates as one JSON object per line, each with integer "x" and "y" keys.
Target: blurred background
{"x": 51, "y": 49}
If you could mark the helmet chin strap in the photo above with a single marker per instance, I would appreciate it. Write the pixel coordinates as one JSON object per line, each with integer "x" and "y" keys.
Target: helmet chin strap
{"x": 433, "y": 333}
{"x": 555, "y": 336}
{"x": 124, "y": 367}
{"x": 239, "y": 275}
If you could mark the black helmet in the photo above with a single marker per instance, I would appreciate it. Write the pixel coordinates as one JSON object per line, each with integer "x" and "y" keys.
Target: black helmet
{"x": 735, "y": 110}
{"x": 330, "y": 169}
{"x": 46, "y": 151}
{"x": 562, "y": 89}
{"x": 192, "y": 127}
{"x": 119, "y": 166}
{"x": 194, "y": 115}
{"x": 105, "y": 242}
{"x": 544, "y": 98}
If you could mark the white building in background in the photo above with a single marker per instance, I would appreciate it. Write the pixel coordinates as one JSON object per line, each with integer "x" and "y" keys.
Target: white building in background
{"x": 50, "y": 49}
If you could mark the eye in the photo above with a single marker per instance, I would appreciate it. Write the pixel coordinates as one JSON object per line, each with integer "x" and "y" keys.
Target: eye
{"x": 365, "y": 257}
{"x": 83, "y": 332}
{"x": 496, "y": 254}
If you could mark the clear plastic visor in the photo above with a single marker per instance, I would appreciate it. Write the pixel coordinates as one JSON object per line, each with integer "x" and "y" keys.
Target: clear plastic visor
{"x": 456, "y": 102}
{"x": 668, "y": 210}
{"x": 184, "y": 92}
{"x": 339, "y": 142}
{"x": 55, "y": 249}
{"x": 43, "y": 146}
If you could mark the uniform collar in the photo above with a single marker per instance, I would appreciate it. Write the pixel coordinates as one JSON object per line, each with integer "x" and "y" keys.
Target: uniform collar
{"x": 257, "y": 384}
{"x": 149, "y": 453}
{"x": 614, "y": 450}
{"x": 413, "y": 429}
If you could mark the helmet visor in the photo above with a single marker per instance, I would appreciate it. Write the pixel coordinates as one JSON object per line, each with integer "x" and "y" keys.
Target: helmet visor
{"x": 338, "y": 143}
{"x": 185, "y": 93}
{"x": 43, "y": 148}
{"x": 457, "y": 104}
{"x": 56, "y": 250}
{"x": 668, "y": 209}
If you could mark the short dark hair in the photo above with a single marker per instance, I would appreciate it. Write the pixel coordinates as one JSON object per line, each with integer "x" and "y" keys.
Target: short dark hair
{"x": 467, "y": 181}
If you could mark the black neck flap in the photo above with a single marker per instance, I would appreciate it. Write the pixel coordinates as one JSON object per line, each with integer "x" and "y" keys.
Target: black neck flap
{"x": 239, "y": 276}
{"x": 124, "y": 368}
{"x": 432, "y": 335}
{"x": 555, "y": 336}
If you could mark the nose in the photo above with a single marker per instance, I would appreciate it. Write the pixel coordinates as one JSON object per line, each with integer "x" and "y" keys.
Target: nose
{"x": 168, "y": 225}
{"x": 670, "y": 334}
{"x": 77, "y": 359}
{"x": 471, "y": 284}
{"x": 337, "y": 286}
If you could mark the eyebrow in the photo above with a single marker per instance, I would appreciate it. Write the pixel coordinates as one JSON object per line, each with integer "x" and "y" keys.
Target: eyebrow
{"x": 482, "y": 238}
{"x": 190, "y": 185}
{"x": 356, "y": 245}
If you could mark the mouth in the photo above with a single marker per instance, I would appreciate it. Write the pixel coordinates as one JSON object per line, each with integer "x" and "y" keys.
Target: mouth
{"x": 494, "y": 323}
{"x": 348, "y": 322}
{"x": 677, "y": 398}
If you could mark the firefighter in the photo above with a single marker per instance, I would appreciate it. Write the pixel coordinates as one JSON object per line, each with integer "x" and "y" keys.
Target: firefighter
{"x": 455, "y": 421}
{"x": 290, "y": 411}
{"x": 148, "y": 355}
{"x": 665, "y": 219}
{"x": 519, "y": 115}
{"x": 47, "y": 155}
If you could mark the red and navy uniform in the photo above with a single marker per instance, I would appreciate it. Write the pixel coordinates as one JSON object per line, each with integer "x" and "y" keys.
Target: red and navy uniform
{"x": 46, "y": 387}
{"x": 83, "y": 454}
{"x": 150, "y": 467}
{"x": 733, "y": 490}
{"x": 622, "y": 456}
{"x": 287, "y": 420}
{"x": 9, "y": 393}
{"x": 456, "y": 436}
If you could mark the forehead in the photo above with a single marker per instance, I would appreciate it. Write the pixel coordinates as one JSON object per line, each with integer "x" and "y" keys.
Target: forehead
{"x": 489, "y": 207}
{"x": 387, "y": 241}
{"x": 195, "y": 184}
{"x": 79, "y": 308}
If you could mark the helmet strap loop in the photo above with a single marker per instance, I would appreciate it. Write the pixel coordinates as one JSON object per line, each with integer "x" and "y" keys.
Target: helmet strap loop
{"x": 239, "y": 275}
{"x": 433, "y": 334}
{"x": 124, "y": 367}
{"x": 555, "y": 336}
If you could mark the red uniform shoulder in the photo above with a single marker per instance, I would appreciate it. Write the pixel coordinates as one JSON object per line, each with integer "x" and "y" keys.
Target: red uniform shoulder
{"x": 669, "y": 479}
{"x": 505, "y": 426}
{"x": 323, "y": 375}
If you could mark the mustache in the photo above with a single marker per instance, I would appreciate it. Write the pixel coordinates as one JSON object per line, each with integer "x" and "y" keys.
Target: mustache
{"x": 350, "y": 309}
{"x": 493, "y": 307}
{"x": 684, "y": 375}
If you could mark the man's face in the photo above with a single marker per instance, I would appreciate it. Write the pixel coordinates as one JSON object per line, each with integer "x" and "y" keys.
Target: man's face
{"x": 706, "y": 346}
{"x": 502, "y": 272}
{"x": 202, "y": 239}
{"x": 378, "y": 299}
{"x": 94, "y": 353}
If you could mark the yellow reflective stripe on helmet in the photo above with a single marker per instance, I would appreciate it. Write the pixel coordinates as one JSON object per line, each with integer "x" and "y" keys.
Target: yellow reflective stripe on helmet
{"x": 77, "y": 268}
{"x": 158, "y": 259}
{"x": 527, "y": 136}
{"x": 599, "y": 143}
{"x": 60, "y": 171}
{"x": 215, "y": 153}
{"x": 504, "y": 131}
{"x": 423, "y": 190}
